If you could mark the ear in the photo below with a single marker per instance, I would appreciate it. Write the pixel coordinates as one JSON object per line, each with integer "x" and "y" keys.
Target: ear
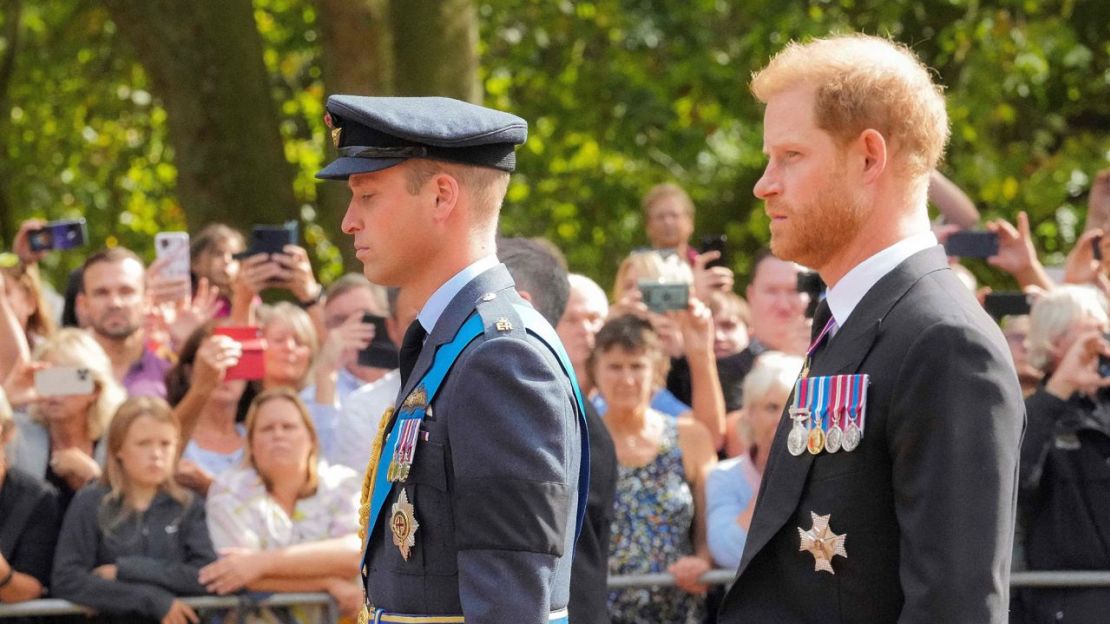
{"x": 872, "y": 146}
{"x": 525, "y": 295}
{"x": 447, "y": 195}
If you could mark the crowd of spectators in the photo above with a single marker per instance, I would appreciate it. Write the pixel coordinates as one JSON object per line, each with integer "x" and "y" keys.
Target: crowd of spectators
{"x": 174, "y": 473}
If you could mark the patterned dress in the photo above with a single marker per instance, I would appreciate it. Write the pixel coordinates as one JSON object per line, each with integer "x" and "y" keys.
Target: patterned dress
{"x": 654, "y": 514}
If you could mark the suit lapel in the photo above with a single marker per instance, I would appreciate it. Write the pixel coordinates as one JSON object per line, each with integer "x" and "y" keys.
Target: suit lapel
{"x": 785, "y": 475}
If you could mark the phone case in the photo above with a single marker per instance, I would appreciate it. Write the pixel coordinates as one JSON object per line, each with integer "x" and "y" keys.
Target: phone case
{"x": 176, "y": 246}
{"x": 251, "y": 364}
{"x": 64, "y": 381}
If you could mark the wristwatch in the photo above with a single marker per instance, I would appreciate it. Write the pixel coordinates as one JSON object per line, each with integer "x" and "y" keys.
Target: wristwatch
{"x": 314, "y": 299}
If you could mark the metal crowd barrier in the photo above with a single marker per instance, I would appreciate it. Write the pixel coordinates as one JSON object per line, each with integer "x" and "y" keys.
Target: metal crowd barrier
{"x": 1056, "y": 578}
{"x": 64, "y": 607}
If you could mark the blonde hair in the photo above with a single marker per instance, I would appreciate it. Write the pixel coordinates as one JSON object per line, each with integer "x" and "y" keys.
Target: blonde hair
{"x": 75, "y": 347}
{"x": 312, "y": 477}
{"x": 41, "y": 322}
{"x": 772, "y": 369}
{"x": 667, "y": 190}
{"x": 300, "y": 322}
{"x": 131, "y": 410}
{"x": 651, "y": 266}
{"x": 729, "y": 303}
{"x": 866, "y": 82}
{"x": 1054, "y": 313}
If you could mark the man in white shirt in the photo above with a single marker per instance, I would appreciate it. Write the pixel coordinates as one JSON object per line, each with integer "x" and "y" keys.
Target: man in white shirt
{"x": 910, "y": 518}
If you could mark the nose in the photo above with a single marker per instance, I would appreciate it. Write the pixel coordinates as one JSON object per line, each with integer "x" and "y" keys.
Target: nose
{"x": 349, "y": 224}
{"x": 767, "y": 185}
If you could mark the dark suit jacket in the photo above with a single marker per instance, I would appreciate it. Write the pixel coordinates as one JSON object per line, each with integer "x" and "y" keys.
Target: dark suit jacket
{"x": 494, "y": 485}
{"x": 590, "y": 572}
{"x": 927, "y": 501}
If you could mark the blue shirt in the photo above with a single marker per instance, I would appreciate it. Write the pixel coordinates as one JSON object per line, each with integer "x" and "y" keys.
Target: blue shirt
{"x": 728, "y": 490}
{"x": 441, "y": 298}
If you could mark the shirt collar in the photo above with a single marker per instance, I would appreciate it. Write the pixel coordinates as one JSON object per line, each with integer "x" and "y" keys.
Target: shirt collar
{"x": 850, "y": 290}
{"x": 440, "y": 299}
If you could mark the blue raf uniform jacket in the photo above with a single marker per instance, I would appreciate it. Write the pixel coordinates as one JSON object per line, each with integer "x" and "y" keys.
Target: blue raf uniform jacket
{"x": 494, "y": 479}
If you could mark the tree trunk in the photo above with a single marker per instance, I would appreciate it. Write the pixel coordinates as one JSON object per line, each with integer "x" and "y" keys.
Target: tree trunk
{"x": 435, "y": 48}
{"x": 205, "y": 64}
{"x": 357, "y": 60}
{"x": 13, "y": 10}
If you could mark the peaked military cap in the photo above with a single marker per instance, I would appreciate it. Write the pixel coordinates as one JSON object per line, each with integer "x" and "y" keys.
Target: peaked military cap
{"x": 374, "y": 133}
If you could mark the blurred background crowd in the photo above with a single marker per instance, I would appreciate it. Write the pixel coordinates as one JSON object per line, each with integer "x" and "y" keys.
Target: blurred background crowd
{"x": 194, "y": 417}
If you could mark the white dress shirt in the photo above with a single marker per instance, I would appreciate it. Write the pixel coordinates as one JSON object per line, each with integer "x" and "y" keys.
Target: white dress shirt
{"x": 850, "y": 290}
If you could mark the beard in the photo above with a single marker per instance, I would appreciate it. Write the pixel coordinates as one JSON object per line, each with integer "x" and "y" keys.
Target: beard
{"x": 820, "y": 229}
{"x": 115, "y": 329}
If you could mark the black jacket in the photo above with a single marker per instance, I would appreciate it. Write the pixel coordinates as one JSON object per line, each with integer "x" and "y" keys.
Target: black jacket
{"x": 590, "y": 568}
{"x": 28, "y": 524}
{"x": 928, "y": 499}
{"x": 158, "y": 554}
{"x": 1065, "y": 502}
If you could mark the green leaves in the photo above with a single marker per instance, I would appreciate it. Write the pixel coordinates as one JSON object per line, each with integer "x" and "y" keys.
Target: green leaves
{"x": 620, "y": 95}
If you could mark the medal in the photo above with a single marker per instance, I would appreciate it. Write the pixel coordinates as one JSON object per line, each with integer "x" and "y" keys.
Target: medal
{"x": 404, "y": 450}
{"x": 835, "y": 435}
{"x": 853, "y": 434}
{"x": 851, "y": 437}
{"x": 799, "y": 413}
{"x": 822, "y": 543}
{"x": 816, "y": 439}
{"x": 403, "y": 524}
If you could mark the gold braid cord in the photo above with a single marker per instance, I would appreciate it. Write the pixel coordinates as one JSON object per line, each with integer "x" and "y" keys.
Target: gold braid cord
{"x": 368, "y": 492}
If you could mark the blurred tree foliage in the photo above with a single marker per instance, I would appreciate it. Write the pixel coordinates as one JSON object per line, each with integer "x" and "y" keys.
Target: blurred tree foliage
{"x": 620, "y": 94}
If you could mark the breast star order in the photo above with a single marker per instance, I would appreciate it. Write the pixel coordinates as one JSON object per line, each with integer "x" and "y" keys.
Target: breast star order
{"x": 822, "y": 543}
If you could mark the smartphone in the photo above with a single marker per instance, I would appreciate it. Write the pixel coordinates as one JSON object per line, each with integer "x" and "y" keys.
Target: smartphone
{"x": 1000, "y": 304}
{"x": 174, "y": 245}
{"x": 1104, "y": 362}
{"x": 64, "y": 381}
{"x": 270, "y": 239}
{"x": 718, "y": 242}
{"x": 810, "y": 283}
{"x": 65, "y": 234}
{"x": 251, "y": 364}
{"x": 972, "y": 244}
{"x": 381, "y": 352}
{"x": 661, "y": 297}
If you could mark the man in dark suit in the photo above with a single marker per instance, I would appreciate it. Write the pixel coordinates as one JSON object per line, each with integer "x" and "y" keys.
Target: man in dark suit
{"x": 916, "y": 523}
{"x": 473, "y": 505}
{"x": 541, "y": 278}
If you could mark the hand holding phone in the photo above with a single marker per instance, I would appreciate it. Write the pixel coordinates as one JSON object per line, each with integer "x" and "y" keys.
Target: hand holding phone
{"x": 718, "y": 243}
{"x": 251, "y": 364}
{"x": 381, "y": 352}
{"x": 57, "y": 235}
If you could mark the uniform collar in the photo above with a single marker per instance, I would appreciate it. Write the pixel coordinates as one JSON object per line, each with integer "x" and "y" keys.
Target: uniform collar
{"x": 437, "y": 303}
{"x": 849, "y": 291}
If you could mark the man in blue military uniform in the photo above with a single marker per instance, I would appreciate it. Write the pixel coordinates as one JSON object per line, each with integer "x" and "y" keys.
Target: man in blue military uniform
{"x": 472, "y": 497}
